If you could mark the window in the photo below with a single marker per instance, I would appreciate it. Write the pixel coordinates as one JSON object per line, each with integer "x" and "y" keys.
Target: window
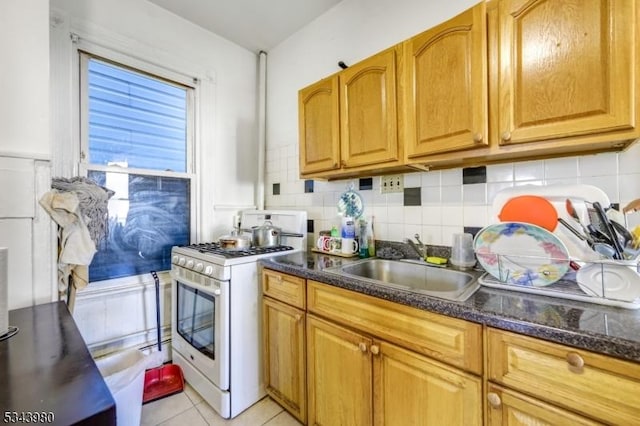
{"x": 136, "y": 141}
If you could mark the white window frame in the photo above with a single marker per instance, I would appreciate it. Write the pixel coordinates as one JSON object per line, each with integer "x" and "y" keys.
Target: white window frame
{"x": 86, "y": 51}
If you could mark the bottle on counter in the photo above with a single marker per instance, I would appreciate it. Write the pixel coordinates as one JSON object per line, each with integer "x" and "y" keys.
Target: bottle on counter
{"x": 371, "y": 240}
{"x": 363, "y": 241}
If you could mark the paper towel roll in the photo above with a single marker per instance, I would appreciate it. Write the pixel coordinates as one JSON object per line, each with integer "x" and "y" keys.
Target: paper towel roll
{"x": 4, "y": 290}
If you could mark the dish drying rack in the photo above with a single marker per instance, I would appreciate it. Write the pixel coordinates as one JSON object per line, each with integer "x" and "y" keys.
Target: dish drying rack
{"x": 604, "y": 281}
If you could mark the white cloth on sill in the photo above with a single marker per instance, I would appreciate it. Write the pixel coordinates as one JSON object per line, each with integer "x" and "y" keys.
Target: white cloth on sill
{"x": 76, "y": 246}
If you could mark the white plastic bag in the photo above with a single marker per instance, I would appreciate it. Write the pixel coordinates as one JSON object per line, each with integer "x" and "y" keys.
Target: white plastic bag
{"x": 123, "y": 373}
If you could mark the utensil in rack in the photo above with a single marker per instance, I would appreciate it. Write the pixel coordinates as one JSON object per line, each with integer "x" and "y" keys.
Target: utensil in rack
{"x": 608, "y": 230}
{"x": 574, "y": 231}
{"x": 574, "y": 214}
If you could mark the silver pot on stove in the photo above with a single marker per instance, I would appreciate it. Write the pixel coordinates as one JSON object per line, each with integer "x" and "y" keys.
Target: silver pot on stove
{"x": 234, "y": 242}
{"x": 266, "y": 235}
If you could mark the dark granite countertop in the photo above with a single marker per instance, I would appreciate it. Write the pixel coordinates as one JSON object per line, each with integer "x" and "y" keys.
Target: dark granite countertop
{"x": 607, "y": 330}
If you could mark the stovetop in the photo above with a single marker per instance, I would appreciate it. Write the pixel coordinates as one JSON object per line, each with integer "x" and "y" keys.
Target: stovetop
{"x": 215, "y": 249}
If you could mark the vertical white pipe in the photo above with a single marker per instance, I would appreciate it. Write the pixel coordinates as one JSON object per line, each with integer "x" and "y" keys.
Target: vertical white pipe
{"x": 262, "y": 128}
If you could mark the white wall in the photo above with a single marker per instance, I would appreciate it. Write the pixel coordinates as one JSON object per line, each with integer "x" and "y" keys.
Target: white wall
{"x": 354, "y": 30}
{"x": 24, "y": 78}
{"x": 25, "y": 150}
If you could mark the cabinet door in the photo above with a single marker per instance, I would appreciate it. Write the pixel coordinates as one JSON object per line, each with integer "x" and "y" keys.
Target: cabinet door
{"x": 339, "y": 375}
{"x": 566, "y": 68}
{"x": 509, "y": 408}
{"x": 597, "y": 386}
{"x": 368, "y": 111}
{"x": 410, "y": 389}
{"x": 318, "y": 126}
{"x": 284, "y": 356}
{"x": 446, "y": 80}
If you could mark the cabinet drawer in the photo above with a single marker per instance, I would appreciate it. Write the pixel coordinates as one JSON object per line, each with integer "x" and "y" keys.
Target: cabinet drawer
{"x": 509, "y": 408}
{"x": 595, "y": 385}
{"x": 283, "y": 287}
{"x": 453, "y": 341}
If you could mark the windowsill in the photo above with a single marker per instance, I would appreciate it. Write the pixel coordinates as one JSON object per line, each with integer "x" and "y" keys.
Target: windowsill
{"x": 126, "y": 284}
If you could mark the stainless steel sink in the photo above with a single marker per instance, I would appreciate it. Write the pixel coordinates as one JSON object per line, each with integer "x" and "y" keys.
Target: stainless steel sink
{"x": 415, "y": 277}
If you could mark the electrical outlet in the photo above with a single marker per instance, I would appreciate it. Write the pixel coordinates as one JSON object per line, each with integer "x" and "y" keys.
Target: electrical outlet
{"x": 391, "y": 183}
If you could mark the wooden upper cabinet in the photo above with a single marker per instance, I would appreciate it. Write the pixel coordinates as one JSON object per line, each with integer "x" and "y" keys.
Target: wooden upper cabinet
{"x": 368, "y": 110}
{"x": 446, "y": 81}
{"x": 318, "y": 126}
{"x": 566, "y": 68}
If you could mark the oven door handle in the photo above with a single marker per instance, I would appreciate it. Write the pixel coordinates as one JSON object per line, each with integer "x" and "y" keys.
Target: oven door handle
{"x": 214, "y": 289}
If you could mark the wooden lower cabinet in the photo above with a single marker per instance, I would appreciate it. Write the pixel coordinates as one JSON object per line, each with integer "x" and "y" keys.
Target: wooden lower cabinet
{"x": 510, "y": 408}
{"x": 592, "y": 385}
{"x": 284, "y": 356}
{"x": 338, "y": 357}
{"x": 339, "y": 375}
{"x": 411, "y": 389}
{"x": 355, "y": 379}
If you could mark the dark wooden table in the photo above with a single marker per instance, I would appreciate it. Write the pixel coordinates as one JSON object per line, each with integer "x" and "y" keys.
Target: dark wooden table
{"x": 48, "y": 374}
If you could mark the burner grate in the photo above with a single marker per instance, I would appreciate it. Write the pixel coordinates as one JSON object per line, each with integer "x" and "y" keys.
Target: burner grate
{"x": 214, "y": 248}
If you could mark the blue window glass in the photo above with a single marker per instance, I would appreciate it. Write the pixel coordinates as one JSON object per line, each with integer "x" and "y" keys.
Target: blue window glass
{"x": 147, "y": 216}
{"x": 135, "y": 121}
{"x": 142, "y": 124}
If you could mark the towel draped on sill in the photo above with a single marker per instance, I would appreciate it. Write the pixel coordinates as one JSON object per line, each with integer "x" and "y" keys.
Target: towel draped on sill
{"x": 79, "y": 207}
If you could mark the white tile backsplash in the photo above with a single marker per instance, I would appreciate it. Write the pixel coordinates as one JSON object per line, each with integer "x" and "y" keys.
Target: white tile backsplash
{"x": 432, "y": 215}
{"x": 451, "y": 177}
{"x": 628, "y": 161}
{"x": 451, "y": 194}
{"x": 598, "y": 165}
{"x": 557, "y": 168}
{"x": 413, "y": 215}
{"x": 412, "y": 180}
{"x": 528, "y": 171}
{"x": 448, "y": 205}
{"x": 396, "y": 214}
{"x": 475, "y": 216}
{"x": 629, "y": 187}
{"x": 475, "y": 193}
{"x": 431, "y": 178}
{"x": 500, "y": 173}
{"x": 431, "y": 195}
{"x": 452, "y": 215}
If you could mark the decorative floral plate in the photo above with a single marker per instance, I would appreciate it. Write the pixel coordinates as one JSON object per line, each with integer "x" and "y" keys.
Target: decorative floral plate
{"x": 350, "y": 204}
{"x": 521, "y": 254}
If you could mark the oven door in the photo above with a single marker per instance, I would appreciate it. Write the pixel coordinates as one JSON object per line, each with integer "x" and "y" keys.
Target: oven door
{"x": 200, "y": 323}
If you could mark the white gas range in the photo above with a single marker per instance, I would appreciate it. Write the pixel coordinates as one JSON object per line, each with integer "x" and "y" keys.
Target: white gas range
{"x": 216, "y": 315}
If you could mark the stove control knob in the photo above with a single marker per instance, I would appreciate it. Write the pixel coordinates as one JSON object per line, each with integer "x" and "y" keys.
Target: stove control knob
{"x": 199, "y": 267}
{"x": 208, "y": 270}
{"x": 182, "y": 261}
{"x": 174, "y": 259}
{"x": 190, "y": 264}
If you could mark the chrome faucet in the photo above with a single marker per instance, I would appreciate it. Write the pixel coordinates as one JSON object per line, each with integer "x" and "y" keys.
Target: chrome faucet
{"x": 420, "y": 249}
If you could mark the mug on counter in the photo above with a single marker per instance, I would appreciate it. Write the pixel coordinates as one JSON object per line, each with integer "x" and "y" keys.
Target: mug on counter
{"x": 349, "y": 246}
{"x": 335, "y": 244}
{"x": 323, "y": 242}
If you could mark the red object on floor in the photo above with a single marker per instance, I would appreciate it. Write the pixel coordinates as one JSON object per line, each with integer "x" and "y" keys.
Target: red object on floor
{"x": 162, "y": 381}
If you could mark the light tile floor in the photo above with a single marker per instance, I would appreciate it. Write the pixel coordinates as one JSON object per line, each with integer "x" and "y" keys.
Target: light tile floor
{"x": 188, "y": 408}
